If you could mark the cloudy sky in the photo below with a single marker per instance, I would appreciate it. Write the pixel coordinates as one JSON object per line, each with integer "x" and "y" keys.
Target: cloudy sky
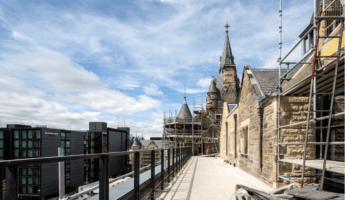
{"x": 65, "y": 63}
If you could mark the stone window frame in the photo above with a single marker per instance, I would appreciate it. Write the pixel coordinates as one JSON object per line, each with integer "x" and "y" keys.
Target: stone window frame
{"x": 220, "y": 118}
{"x": 226, "y": 139}
{"x": 245, "y": 134}
{"x": 232, "y": 135}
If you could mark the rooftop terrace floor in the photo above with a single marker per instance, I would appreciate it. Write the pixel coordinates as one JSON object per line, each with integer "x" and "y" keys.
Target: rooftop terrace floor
{"x": 210, "y": 178}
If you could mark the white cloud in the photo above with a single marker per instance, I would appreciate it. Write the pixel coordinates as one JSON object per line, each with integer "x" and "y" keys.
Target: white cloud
{"x": 16, "y": 85}
{"x": 17, "y": 108}
{"x": 204, "y": 82}
{"x": 152, "y": 90}
{"x": 113, "y": 102}
{"x": 58, "y": 70}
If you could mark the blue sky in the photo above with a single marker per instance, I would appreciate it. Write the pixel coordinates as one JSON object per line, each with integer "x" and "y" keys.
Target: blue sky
{"x": 65, "y": 63}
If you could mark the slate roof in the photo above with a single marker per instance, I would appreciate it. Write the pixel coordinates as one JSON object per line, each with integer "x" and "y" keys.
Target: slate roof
{"x": 145, "y": 143}
{"x": 230, "y": 107}
{"x": 212, "y": 88}
{"x": 184, "y": 112}
{"x": 267, "y": 78}
{"x": 136, "y": 142}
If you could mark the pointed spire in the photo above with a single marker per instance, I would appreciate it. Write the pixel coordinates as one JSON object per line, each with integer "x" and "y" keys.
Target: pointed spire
{"x": 227, "y": 57}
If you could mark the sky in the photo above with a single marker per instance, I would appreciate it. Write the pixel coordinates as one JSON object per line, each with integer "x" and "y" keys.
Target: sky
{"x": 66, "y": 63}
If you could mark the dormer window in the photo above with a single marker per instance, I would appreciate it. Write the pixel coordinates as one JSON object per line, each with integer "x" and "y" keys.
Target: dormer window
{"x": 308, "y": 42}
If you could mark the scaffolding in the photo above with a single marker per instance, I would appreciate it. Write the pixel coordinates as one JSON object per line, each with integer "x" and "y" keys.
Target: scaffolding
{"x": 326, "y": 79}
{"x": 185, "y": 132}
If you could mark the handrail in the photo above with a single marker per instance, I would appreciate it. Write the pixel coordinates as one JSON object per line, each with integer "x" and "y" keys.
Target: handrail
{"x": 182, "y": 153}
{"x": 69, "y": 158}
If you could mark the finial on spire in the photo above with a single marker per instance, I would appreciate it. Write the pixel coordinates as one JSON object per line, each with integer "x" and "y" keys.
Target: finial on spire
{"x": 184, "y": 92}
{"x": 227, "y": 25}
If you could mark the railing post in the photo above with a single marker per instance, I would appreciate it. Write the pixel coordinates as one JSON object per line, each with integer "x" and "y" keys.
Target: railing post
{"x": 153, "y": 174}
{"x": 104, "y": 177}
{"x": 173, "y": 162}
{"x": 162, "y": 169}
{"x": 177, "y": 160}
{"x": 181, "y": 156}
{"x": 61, "y": 167}
{"x": 168, "y": 165}
{"x": 136, "y": 175}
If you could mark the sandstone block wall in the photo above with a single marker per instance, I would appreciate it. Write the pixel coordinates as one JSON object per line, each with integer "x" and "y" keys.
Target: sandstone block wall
{"x": 248, "y": 116}
{"x": 230, "y": 85}
{"x": 293, "y": 110}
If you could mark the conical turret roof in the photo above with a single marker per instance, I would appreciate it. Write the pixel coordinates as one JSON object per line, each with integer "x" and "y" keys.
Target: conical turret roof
{"x": 136, "y": 142}
{"x": 184, "y": 112}
{"x": 212, "y": 88}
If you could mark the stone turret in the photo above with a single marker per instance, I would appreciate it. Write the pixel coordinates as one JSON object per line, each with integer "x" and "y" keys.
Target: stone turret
{"x": 212, "y": 96}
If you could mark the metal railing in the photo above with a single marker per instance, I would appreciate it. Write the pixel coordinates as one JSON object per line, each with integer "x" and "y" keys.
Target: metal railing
{"x": 179, "y": 157}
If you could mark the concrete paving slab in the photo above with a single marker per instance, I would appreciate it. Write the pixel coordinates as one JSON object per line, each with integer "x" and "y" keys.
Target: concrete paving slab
{"x": 211, "y": 178}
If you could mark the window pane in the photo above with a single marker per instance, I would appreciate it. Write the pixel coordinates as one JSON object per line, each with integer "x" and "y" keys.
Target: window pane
{"x": 30, "y": 135}
{"x": 37, "y": 153}
{"x": 63, "y": 135}
{"x": 23, "y": 190}
{"x": 68, "y": 136}
{"x": 30, "y": 144}
{"x": 38, "y": 134}
{"x": 36, "y": 181}
{"x": 62, "y": 144}
{"x": 1, "y": 144}
{"x": 30, "y": 189}
{"x": 16, "y": 153}
{"x": 30, "y": 182}
{"x": 24, "y": 171}
{"x": 30, "y": 153}
{"x": 24, "y": 153}
{"x": 23, "y": 144}
{"x": 68, "y": 151}
{"x": 1, "y": 152}
{"x": 16, "y": 144}
{"x": 67, "y": 175}
{"x": 68, "y": 144}
{"x": 1, "y": 134}
{"x": 24, "y": 180}
{"x": 30, "y": 171}
{"x": 16, "y": 134}
{"x": 92, "y": 143}
{"x": 24, "y": 134}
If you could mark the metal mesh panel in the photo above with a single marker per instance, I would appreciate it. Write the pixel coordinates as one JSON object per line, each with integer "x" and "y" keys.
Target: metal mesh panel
{"x": 331, "y": 8}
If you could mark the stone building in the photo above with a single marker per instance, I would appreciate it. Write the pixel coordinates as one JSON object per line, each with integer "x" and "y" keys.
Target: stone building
{"x": 249, "y": 130}
{"x": 204, "y": 127}
{"x": 151, "y": 144}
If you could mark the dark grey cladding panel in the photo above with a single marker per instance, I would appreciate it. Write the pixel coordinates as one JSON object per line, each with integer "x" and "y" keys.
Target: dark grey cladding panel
{"x": 77, "y": 142}
{"x": 116, "y": 163}
{"x": 49, "y": 179}
{"x": 77, "y": 166}
{"x": 77, "y": 173}
{"x": 50, "y": 142}
{"x": 98, "y": 126}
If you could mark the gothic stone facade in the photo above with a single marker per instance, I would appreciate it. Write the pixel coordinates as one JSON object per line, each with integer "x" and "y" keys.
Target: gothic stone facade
{"x": 249, "y": 133}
